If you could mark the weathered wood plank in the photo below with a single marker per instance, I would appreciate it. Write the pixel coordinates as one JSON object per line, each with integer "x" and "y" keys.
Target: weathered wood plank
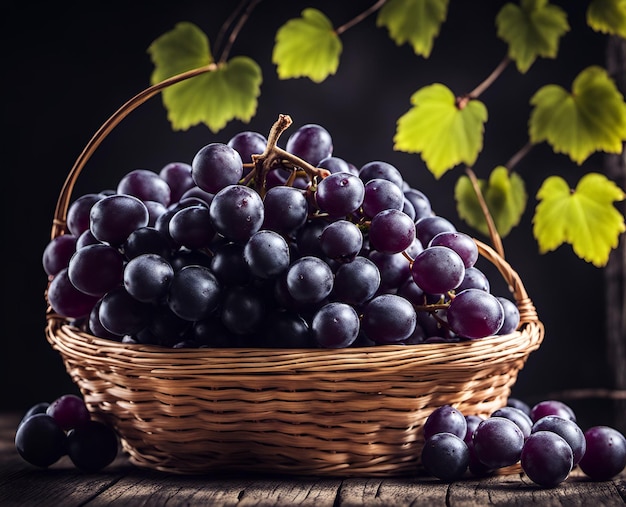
{"x": 122, "y": 484}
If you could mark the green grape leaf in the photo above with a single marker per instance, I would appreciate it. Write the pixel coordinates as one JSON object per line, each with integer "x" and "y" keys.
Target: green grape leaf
{"x": 415, "y": 21}
{"x": 505, "y": 195}
{"x": 591, "y": 118}
{"x": 532, "y": 29}
{"x": 307, "y": 47}
{"x": 607, "y": 16}
{"x": 584, "y": 218}
{"x": 228, "y": 92}
{"x": 446, "y": 134}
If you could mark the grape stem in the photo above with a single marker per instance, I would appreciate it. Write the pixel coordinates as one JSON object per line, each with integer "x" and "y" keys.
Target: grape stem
{"x": 274, "y": 156}
{"x": 357, "y": 19}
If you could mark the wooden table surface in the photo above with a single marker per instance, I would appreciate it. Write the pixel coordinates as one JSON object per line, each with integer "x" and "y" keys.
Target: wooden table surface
{"x": 122, "y": 484}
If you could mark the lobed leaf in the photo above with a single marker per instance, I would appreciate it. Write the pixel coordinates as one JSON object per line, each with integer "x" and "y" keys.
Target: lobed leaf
{"x": 505, "y": 195}
{"x": 415, "y": 21}
{"x": 227, "y": 93}
{"x": 607, "y": 16}
{"x": 590, "y": 118}
{"x": 307, "y": 47}
{"x": 444, "y": 133}
{"x": 584, "y": 218}
{"x": 531, "y": 29}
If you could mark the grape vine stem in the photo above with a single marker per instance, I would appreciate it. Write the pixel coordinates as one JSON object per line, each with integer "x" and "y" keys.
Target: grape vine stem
{"x": 274, "y": 156}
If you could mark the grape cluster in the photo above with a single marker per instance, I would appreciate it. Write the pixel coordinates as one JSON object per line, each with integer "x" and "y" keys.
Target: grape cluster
{"x": 545, "y": 440}
{"x": 49, "y": 431}
{"x": 254, "y": 245}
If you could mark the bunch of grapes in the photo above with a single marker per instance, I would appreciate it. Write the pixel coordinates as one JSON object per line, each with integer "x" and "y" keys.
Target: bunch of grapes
{"x": 49, "y": 431}
{"x": 253, "y": 245}
{"x": 545, "y": 439}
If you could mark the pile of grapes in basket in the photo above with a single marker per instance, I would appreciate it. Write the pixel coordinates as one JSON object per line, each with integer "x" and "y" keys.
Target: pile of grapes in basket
{"x": 252, "y": 245}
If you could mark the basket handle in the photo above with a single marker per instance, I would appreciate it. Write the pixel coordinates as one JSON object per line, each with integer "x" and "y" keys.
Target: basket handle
{"x": 60, "y": 212}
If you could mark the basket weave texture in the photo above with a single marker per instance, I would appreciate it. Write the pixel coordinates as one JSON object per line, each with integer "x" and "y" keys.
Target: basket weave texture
{"x": 324, "y": 412}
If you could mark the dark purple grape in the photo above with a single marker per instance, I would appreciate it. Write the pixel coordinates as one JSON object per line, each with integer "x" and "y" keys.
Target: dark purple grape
{"x": 474, "y": 314}
{"x": 498, "y": 442}
{"x": 237, "y": 212}
{"x": 37, "y": 408}
{"x": 122, "y": 314}
{"x": 200, "y": 196}
{"x": 567, "y": 429}
{"x": 40, "y": 441}
{"x": 69, "y": 411}
{"x": 192, "y": 227}
{"x": 145, "y": 185}
{"x": 92, "y": 446}
{"x": 57, "y": 254}
{"x": 437, "y": 269}
{"x": 334, "y": 165}
{"x": 391, "y": 231}
{"x": 428, "y": 227}
{"x": 155, "y": 210}
{"x": 388, "y": 318}
{"x": 381, "y": 195}
{"x": 381, "y": 170}
{"x": 445, "y": 456}
{"x": 147, "y": 277}
{"x": 511, "y": 316}
{"x": 413, "y": 292}
{"x": 311, "y": 143}
{"x": 308, "y": 238}
{"x": 356, "y": 282}
{"x": 95, "y": 327}
{"x": 85, "y": 239}
{"x": 474, "y": 278}
{"x": 461, "y": 243}
{"x": 248, "y": 143}
{"x": 309, "y": 280}
{"x": 243, "y": 310}
{"x": 285, "y": 329}
{"x": 471, "y": 422}
{"x": 286, "y": 209}
{"x": 194, "y": 292}
{"x": 445, "y": 419}
{"x": 394, "y": 269}
{"x": 78, "y": 213}
{"x": 341, "y": 240}
{"x": 96, "y": 269}
{"x": 216, "y": 166}
{"x": 177, "y": 175}
{"x": 184, "y": 257}
{"x": 408, "y": 208}
{"x": 146, "y": 240}
{"x": 335, "y": 325}
{"x": 551, "y": 407}
{"x": 67, "y": 300}
{"x": 419, "y": 201}
{"x": 605, "y": 455}
{"x": 113, "y": 218}
{"x": 267, "y": 254}
{"x": 518, "y": 417}
{"x": 229, "y": 265}
{"x": 340, "y": 194}
{"x": 519, "y": 404}
{"x": 546, "y": 458}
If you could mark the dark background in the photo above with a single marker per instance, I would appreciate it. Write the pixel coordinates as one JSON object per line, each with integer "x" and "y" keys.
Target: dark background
{"x": 67, "y": 67}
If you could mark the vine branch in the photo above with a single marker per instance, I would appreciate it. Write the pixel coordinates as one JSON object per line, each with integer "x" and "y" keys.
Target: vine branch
{"x": 357, "y": 19}
{"x": 488, "y": 81}
{"x": 235, "y": 31}
{"x": 521, "y": 153}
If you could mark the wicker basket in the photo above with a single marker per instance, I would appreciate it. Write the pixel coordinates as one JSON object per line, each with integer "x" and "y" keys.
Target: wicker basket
{"x": 347, "y": 412}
